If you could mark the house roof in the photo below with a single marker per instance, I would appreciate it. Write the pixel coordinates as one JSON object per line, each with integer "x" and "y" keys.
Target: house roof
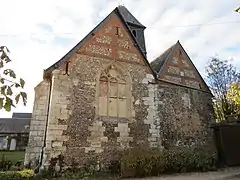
{"x": 22, "y": 115}
{"x": 19, "y": 123}
{"x": 126, "y": 18}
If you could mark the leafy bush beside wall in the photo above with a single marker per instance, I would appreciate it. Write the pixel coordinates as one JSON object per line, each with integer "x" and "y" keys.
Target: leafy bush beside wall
{"x": 140, "y": 163}
{"x": 26, "y": 174}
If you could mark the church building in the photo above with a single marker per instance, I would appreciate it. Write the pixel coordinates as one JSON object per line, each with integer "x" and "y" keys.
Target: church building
{"x": 104, "y": 96}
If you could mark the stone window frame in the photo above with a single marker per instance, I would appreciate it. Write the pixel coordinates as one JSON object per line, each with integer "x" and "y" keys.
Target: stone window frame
{"x": 119, "y": 67}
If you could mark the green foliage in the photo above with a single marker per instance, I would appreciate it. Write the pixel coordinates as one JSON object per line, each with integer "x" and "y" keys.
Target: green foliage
{"x": 13, "y": 156}
{"x": 220, "y": 74}
{"x": 234, "y": 94}
{"x": 140, "y": 163}
{"x": 10, "y": 176}
{"x": 5, "y": 164}
{"x": 10, "y": 87}
{"x": 26, "y": 174}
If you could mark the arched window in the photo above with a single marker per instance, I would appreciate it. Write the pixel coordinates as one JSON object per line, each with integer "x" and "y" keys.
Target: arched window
{"x": 113, "y": 93}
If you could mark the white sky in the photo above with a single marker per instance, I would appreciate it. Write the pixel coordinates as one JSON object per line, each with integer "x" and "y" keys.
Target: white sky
{"x": 39, "y": 33}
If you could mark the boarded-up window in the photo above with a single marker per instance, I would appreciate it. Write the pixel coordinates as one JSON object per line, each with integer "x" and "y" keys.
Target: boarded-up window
{"x": 112, "y": 93}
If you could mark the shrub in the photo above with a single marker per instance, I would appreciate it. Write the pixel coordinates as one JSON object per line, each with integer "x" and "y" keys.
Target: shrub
{"x": 43, "y": 174}
{"x": 5, "y": 164}
{"x": 140, "y": 163}
{"x": 26, "y": 173}
{"x": 10, "y": 176}
{"x": 17, "y": 175}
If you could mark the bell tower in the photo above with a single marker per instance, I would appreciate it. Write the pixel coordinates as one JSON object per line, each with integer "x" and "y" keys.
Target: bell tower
{"x": 135, "y": 26}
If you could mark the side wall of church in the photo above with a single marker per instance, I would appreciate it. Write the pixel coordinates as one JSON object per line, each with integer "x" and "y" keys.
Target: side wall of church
{"x": 76, "y": 129}
{"x": 186, "y": 115}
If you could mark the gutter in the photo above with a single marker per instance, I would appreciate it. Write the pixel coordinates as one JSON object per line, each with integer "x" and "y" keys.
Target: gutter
{"x": 36, "y": 170}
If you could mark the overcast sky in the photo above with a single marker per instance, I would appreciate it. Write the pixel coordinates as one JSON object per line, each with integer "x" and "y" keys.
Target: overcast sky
{"x": 39, "y": 33}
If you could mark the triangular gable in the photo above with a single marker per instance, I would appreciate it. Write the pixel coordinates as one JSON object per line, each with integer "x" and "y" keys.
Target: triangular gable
{"x": 178, "y": 68}
{"x": 118, "y": 12}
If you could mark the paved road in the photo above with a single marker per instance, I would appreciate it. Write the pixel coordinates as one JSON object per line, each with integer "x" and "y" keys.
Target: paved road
{"x": 224, "y": 174}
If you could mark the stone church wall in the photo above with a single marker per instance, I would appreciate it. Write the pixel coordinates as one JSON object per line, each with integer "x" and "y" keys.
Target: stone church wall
{"x": 77, "y": 130}
{"x": 186, "y": 115}
{"x": 38, "y": 122}
{"x": 161, "y": 114}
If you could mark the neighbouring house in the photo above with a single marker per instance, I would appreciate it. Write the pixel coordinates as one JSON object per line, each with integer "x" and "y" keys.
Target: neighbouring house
{"x": 104, "y": 96}
{"x": 14, "y": 131}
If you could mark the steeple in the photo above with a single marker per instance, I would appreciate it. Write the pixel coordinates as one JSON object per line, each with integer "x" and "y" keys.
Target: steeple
{"x": 135, "y": 26}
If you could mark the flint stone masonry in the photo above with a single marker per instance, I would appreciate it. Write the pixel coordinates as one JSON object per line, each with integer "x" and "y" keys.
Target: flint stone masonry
{"x": 99, "y": 50}
{"x": 163, "y": 115}
{"x": 128, "y": 56}
{"x": 123, "y": 43}
{"x": 174, "y": 70}
{"x": 104, "y": 39}
{"x": 107, "y": 99}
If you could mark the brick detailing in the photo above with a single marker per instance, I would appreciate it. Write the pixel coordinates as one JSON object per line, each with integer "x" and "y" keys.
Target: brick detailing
{"x": 108, "y": 29}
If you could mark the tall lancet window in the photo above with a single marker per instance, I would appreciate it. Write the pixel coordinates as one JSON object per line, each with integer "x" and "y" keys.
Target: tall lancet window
{"x": 113, "y": 96}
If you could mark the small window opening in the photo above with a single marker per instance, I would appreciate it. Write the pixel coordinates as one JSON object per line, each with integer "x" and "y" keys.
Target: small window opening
{"x": 134, "y": 33}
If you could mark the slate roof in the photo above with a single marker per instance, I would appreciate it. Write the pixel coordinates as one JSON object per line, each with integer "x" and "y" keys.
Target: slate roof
{"x": 125, "y": 16}
{"x": 128, "y": 17}
{"x": 158, "y": 63}
{"x": 19, "y": 123}
{"x": 22, "y": 115}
